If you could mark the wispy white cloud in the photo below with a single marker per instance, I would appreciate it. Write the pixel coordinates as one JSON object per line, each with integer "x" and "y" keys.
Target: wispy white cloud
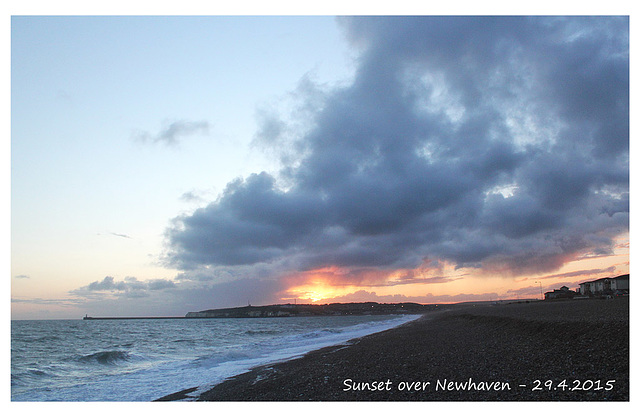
{"x": 121, "y": 235}
{"x": 60, "y": 302}
{"x": 172, "y": 133}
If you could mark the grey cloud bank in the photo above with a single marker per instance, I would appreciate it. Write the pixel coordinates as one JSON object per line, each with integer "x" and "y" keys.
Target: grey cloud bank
{"x": 129, "y": 287}
{"x": 499, "y": 143}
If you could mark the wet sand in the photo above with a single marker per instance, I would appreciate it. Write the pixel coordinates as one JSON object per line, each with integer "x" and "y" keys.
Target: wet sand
{"x": 578, "y": 350}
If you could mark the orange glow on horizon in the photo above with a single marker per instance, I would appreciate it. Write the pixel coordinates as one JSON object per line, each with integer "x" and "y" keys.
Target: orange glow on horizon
{"x": 440, "y": 282}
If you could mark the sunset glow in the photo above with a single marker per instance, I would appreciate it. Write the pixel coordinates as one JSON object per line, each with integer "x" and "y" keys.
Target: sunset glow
{"x": 446, "y": 284}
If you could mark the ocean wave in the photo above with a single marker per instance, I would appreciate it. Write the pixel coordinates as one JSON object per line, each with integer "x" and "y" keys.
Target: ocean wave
{"x": 260, "y": 332}
{"x": 184, "y": 341}
{"x": 36, "y": 372}
{"x": 25, "y": 377}
{"x": 320, "y": 333}
{"x": 109, "y": 357}
{"x": 237, "y": 353}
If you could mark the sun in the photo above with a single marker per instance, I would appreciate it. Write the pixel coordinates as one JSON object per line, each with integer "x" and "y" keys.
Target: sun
{"x": 314, "y": 296}
{"x": 316, "y": 291}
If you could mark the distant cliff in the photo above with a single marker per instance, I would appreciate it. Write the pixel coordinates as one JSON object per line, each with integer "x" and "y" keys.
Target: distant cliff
{"x": 298, "y": 310}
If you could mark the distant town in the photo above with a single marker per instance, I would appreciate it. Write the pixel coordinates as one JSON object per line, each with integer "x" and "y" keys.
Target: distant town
{"x": 599, "y": 288}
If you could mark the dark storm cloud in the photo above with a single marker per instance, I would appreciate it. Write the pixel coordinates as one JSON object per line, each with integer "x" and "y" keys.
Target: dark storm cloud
{"x": 173, "y": 132}
{"x": 492, "y": 142}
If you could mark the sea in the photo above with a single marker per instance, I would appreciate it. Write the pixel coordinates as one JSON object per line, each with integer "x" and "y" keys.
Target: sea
{"x": 145, "y": 359}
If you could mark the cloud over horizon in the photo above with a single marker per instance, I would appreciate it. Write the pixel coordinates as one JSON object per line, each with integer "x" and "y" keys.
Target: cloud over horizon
{"x": 494, "y": 143}
{"x": 130, "y": 287}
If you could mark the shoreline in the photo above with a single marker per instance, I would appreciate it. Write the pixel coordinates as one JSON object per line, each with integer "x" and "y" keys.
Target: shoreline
{"x": 540, "y": 351}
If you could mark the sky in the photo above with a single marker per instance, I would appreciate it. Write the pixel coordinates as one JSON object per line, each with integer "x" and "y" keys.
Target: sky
{"x": 161, "y": 165}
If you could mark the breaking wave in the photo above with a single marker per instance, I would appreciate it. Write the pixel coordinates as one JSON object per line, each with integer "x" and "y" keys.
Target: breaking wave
{"x": 109, "y": 357}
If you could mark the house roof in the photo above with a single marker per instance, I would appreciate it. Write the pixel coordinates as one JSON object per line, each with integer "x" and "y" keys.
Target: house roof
{"x": 602, "y": 279}
{"x": 563, "y": 289}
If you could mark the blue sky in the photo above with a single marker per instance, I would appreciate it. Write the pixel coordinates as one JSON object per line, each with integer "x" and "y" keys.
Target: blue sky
{"x": 161, "y": 165}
